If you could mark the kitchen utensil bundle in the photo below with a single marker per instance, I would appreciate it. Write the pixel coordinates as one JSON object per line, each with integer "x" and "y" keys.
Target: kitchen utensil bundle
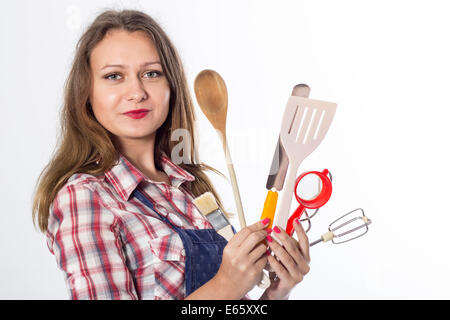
{"x": 305, "y": 123}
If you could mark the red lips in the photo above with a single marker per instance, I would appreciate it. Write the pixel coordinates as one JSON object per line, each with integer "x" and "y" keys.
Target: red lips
{"x": 137, "y": 114}
{"x": 137, "y": 111}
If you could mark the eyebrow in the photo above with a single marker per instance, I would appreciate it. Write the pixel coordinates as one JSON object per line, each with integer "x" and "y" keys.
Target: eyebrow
{"x": 123, "y": 66}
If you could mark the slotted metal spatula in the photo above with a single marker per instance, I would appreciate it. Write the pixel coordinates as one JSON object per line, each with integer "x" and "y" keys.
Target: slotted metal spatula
{"x": 304, "y": 125}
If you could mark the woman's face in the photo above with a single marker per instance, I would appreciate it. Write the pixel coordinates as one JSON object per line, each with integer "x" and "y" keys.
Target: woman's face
{"x": 135, "y": 81}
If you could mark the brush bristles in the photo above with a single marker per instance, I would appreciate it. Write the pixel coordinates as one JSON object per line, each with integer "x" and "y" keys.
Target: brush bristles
{"x": 206, "y": 203}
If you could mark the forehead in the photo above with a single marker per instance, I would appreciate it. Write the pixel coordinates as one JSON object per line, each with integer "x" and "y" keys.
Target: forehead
{"x": 123, "y": 47}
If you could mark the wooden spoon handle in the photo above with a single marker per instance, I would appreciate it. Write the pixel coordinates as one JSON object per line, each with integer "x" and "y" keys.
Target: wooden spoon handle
{"x": 237, "y": 195}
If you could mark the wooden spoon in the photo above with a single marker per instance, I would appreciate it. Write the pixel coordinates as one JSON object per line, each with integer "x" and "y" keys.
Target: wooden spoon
{"x": 212, "y": 97}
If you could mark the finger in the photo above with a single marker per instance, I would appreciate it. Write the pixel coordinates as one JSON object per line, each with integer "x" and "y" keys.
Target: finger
{"x": 292, "y": 246}
{"x": 259, "y": 251}
{"x": 242, "y": 235}
{"x": 284, "y": 257}
{"x": 303, "y": 240}
{"x": 252, "y": 241}
{"x": 296, "y": 268}
{"x": 278, "y": 269}
{"x": 261, "y": 263}
{"x": 289, "y": 243}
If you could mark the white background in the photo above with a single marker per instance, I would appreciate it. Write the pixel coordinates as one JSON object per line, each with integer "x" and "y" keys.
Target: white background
{"x": 386, "y": 65}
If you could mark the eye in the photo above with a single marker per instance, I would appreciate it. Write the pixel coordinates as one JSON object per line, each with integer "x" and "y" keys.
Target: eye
{"x": 110, "y": 75}
{"x": 154, "y": 74}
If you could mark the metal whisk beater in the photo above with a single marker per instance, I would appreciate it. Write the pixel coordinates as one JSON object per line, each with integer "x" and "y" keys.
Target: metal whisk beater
{"x": 350, "y": 226}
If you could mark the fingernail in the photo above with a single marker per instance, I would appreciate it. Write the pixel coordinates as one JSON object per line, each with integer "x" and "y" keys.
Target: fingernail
{"x": 265, "y": 221}
{"x": 269, "y": 230}
{"x": 269, "y": 238}
{"x": 276, "y": 229}
{"x": 268, "y": 253}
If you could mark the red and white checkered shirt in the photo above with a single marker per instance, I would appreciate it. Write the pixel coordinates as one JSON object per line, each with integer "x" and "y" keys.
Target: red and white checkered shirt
{"x": 111, "y": 245}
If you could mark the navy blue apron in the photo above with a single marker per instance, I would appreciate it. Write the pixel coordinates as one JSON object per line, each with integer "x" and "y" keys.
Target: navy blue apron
{"x": 203, "y": 248}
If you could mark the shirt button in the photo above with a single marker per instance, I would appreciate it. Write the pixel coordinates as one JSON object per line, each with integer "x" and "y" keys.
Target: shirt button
{"x": 162, "y": 210}
{"x": 175, "y": 219}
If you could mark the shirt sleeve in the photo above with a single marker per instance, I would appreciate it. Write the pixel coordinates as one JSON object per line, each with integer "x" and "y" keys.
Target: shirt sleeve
{"x": 82, "y": 235}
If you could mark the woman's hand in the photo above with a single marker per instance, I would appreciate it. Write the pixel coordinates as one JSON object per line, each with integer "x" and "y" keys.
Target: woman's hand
{"x": 243, "y": 260}
{"x": 290, "y": 262}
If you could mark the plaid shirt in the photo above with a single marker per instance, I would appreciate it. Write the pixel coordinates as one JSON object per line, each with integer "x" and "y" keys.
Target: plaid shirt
{"x": 110, "y": 245}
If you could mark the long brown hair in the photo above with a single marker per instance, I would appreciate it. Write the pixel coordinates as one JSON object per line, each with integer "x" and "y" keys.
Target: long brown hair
{"x": 83, "y": 140}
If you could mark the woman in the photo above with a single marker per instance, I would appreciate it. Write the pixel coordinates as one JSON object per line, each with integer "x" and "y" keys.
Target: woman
{"x": 117, "y": 211}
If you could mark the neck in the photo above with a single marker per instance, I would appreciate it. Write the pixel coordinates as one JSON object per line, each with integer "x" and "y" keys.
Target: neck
{"x": 140, "y": 152}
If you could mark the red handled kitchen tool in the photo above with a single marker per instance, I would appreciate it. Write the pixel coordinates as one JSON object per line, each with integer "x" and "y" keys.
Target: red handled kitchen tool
{"x": 316, "y": 202}
{"x": 304, "y": 125}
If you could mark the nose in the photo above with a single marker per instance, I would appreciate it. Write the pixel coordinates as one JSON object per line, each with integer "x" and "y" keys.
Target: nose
{"x": 136, "y": 90}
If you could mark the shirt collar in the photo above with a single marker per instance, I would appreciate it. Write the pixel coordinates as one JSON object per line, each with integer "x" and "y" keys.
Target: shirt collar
{"x": 125, "y": 177}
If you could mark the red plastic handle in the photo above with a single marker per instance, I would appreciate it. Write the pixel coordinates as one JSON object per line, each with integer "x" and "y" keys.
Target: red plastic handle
{"x": 297, "y": 214}
{"x": 317, "y": 202}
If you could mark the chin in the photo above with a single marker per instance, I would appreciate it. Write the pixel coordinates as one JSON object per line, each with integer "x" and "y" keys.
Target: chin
{"x": 135, "y": 135}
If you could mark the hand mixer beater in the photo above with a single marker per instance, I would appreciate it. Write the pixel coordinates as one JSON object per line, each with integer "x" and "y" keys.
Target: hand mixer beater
{"x": 350, "y": 226}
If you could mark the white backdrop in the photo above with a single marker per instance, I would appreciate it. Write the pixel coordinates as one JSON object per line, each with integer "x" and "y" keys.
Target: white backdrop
{"x": 386, "y": 65}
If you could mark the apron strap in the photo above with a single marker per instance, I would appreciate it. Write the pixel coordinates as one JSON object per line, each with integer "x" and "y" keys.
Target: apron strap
{"x": 203, "y": 247}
